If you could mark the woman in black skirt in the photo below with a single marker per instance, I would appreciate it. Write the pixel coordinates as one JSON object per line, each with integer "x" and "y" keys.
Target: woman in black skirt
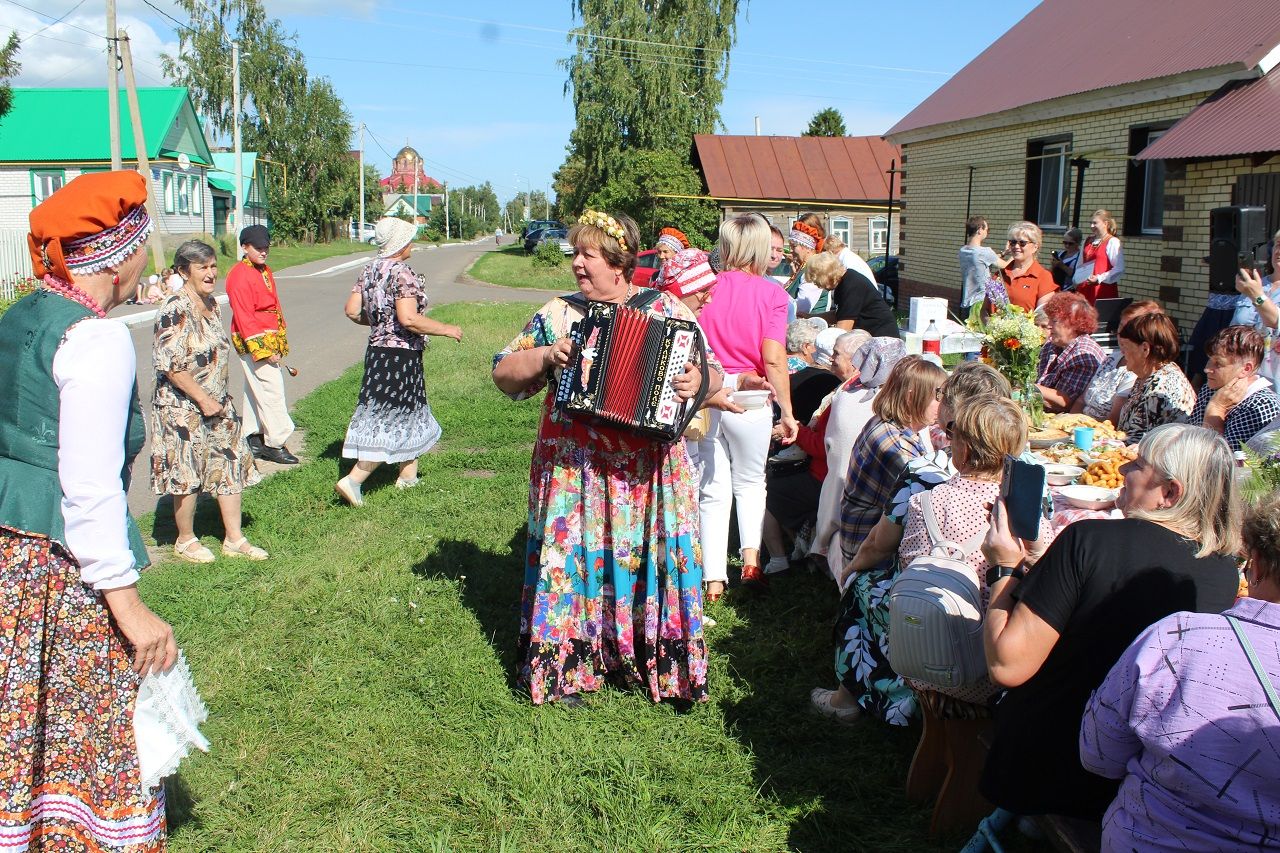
{"x": 392, "y": 421}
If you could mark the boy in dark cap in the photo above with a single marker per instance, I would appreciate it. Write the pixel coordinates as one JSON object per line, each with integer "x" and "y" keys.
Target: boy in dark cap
{"x": 258, "y": 332}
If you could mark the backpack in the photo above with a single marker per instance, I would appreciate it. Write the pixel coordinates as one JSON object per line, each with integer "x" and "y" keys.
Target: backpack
{"x": 935, "y": 612}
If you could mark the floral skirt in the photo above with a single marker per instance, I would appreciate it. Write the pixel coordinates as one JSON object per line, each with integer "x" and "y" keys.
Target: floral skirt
{"x": 392, "y": 421}
{"x": 861, "y": 638}
{"x": 613, "y": 572}
{"x": 69, "y": 775}
{"x": 191, "y": 453}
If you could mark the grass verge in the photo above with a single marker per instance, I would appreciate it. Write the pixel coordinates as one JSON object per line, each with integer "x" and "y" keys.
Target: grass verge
{"x": 360, "y": 683}
{"x": 511, "y": 267}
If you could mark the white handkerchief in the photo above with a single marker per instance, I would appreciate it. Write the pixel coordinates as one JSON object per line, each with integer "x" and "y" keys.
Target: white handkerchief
{"x": 166, "y": 721}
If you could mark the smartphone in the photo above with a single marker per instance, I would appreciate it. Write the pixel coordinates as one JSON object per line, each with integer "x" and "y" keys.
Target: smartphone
{"x": 1022, "y": 488}
{"x": 1246, "y": 261}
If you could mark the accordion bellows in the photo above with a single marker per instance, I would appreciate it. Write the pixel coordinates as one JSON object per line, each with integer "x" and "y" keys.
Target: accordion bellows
{"x": 621, "y": 374}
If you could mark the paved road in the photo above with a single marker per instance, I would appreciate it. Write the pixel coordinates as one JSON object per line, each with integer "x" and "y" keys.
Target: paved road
{"x": 322, "y": 340}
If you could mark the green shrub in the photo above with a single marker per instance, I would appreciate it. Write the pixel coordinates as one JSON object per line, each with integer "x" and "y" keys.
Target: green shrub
{"x": 548, "y": 254}
{"x": 227, "y": 246}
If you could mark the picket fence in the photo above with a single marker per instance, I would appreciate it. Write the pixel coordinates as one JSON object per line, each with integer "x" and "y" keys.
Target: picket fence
{"x": 15, "y": 260}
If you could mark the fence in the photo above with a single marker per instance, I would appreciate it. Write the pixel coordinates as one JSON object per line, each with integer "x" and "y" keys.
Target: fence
{"x": 15, "y": 260}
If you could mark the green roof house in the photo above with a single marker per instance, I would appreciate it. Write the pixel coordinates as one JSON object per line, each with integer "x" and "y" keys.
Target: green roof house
{"x": 253, "y": 174}
{"x": 417, "y": 207}
{"x": 53, "y": 135}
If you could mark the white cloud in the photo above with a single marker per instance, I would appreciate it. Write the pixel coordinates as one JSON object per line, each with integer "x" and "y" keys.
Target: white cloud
{"x": 73, "y": 52}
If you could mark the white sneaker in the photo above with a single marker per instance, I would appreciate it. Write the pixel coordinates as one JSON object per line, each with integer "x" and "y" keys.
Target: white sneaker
{"x": 776, "y": 565}
{"x": 406, "y": 484}
{"x": 349, "y": 491}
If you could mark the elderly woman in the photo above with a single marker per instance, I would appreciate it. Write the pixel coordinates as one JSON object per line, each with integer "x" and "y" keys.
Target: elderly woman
{"x": 1070, "y": 358}
{"x": 806, "y": 241}
{"x": 1234, "y": 400}
{"x": 1052, "y": 634}
{"x": 801, "y": 336}
{"x": 1110, "y": 386}
{"x": 196, "y": 439}
{"x": 77, "y": 638}
{"x": 1260, "y": 309}
{"x": 671, "y": 241}
{"x": 898, "y": 433}
{"x": 856, "y": 303}
{"x": 745, "y": 326}
{"x": 1177, "y": 759}
{"x": 1161, "y": 393}
{"x": 392, "y": 421}
{"x": 613, "y": 573}
{"x": 1101, "y": 260}
{"x": 1026, "y": 282}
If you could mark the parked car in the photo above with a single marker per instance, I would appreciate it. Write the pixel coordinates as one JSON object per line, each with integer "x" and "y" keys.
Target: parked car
{"x": 532, "y": 239}
{"x": 364, "y": 233}
{"x": 559, "y": 236}
{"x": 647, "y": 264}
{"x": 886, "y": 272}
{"x": 539, "y": 224}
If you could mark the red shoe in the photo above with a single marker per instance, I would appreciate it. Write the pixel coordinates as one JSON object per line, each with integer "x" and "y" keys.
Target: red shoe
{"x": 754, "y": 578}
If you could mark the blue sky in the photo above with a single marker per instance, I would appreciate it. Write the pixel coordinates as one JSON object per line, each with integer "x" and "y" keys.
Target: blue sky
{"x": 476, "y": 88}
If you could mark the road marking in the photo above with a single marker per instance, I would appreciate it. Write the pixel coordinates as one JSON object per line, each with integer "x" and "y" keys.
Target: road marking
{"x": 146, "y": 317}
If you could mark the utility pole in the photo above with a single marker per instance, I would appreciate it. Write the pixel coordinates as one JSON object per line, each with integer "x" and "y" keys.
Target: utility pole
{"x": 360, "y": 223}
{"x": 113, "y": 89}
{"x": 239, "y": 154}
{"x": 140, "y": 145}
{"x": 417, "y": 167}
{"x": 446, "y": 210}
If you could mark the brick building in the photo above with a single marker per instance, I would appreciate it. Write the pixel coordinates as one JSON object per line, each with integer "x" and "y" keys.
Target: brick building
{"x": 844, "y": 179}
{"x": 1172, "y": 116}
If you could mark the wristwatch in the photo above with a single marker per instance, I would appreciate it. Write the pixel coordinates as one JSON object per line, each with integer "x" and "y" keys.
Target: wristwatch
{"x": 1260, "y": 299}
{"x": 998, "y": 572}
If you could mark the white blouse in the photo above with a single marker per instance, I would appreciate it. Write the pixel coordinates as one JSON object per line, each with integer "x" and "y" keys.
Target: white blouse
{"x": 94, "y": 370}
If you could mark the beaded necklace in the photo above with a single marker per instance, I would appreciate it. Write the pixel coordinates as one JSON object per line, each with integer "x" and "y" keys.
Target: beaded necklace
{"x": 67, "y": 290}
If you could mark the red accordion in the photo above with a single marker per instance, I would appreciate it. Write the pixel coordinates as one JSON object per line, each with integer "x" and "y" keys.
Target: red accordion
{"x": 624, "y": 363}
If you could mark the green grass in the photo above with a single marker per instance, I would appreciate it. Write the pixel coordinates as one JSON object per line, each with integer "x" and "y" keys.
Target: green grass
{"x": 283, "y": 254}
{"x": 511, "y": 267}
{"x": 361, "y": 682}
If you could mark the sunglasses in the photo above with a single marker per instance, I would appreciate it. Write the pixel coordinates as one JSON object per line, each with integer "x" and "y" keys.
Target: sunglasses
{"x": 1021, "y": 243}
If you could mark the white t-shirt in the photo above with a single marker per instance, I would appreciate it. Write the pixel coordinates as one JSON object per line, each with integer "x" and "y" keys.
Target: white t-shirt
{"x": 853, "y": 261}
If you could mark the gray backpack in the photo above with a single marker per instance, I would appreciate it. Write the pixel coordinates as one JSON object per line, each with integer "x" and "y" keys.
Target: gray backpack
{"x": 935, "y": 612}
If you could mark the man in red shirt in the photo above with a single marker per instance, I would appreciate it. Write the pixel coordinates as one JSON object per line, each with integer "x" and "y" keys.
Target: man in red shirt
{"x": 258, "y": 332}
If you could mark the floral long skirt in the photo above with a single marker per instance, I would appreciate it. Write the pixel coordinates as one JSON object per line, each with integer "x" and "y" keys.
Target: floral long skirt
{"x": 392, "y": 421}
{"x": 69, "y": 775}
{"x": 613, "y": 571}
{"x": 861, "y": 637}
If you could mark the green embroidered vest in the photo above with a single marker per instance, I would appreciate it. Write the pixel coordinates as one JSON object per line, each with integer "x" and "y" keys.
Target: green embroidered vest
{"x": 30, "y": 495}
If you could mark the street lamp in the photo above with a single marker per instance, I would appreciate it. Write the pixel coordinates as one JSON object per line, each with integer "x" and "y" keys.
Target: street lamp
{"x": 528, "y": 199}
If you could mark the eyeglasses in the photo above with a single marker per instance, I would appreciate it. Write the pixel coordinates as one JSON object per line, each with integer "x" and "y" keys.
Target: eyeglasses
{"x": 1021, "y": 243}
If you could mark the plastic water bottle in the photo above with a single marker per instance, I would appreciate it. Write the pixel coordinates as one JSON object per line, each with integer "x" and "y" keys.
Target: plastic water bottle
{"x": 931, "y": 343}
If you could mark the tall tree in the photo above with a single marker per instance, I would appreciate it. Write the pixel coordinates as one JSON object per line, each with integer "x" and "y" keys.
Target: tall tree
{"x": 9, "y": 66}
{"x": 826, "y": 122}
{"x": 646, "y": 75}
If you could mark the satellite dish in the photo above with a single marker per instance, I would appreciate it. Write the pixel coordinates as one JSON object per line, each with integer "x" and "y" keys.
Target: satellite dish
{"x": 184, "y": 162}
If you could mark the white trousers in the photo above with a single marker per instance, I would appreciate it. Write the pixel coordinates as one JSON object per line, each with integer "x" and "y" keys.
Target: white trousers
{"x": 732, "y": 456}
{"x": 264, "y": 409}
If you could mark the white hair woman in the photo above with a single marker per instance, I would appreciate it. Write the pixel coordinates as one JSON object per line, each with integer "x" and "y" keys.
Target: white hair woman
{"x": 746, "y": 326}
{"x": 1052, "y": 634}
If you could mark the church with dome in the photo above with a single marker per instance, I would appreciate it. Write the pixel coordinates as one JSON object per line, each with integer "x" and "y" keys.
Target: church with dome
{"x": 406, "y": 165}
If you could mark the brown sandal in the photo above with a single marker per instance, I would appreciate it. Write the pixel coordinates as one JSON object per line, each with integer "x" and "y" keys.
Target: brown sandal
{"x": 715, "y": 589}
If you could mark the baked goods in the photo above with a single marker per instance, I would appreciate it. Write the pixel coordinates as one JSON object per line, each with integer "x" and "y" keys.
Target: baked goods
{"x": 1105, "y": 474}
{"x": 1102, "y": 430}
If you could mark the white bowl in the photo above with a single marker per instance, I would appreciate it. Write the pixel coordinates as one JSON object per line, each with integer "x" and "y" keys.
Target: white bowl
{"x": 1090, "y": 497}
{"x": 751, "y": 399}
{"x": 1062, "y": 475}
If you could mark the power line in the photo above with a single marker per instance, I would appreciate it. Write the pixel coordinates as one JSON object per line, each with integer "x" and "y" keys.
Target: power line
{"x": 56, "y": 20}
{"x": 176, "y": 22}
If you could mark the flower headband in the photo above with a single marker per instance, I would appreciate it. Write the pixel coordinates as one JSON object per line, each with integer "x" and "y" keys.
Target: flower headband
{"x": 806, "y": 235}
{"x": 605, "y": 223}
{"x": 673, "y": 238}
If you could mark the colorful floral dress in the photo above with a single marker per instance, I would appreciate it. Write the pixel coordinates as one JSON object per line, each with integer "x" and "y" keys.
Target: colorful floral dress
{"x": 613, "y": 568}
{"x": 1164, "y": 397}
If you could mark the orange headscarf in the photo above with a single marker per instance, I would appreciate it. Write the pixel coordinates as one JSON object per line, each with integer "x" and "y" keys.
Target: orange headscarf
{"x": 91, "y": 224}
{"x": 806, "y": 235}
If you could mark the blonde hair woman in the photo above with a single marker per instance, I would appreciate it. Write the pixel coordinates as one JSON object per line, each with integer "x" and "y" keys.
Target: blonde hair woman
{"x": 854, "y": 301}
{"x": 1025, "y": 280}
{"x": 1101, "y": 259}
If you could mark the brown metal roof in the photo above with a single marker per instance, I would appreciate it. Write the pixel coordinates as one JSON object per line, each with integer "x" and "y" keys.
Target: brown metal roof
{"x": 799, "y": 168}
{"x": 1065, "y": 47}
{"x": 1241, "y": 119}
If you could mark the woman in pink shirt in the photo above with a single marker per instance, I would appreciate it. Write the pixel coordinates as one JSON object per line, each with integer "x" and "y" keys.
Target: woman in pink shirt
{"x": 745, "y": 322}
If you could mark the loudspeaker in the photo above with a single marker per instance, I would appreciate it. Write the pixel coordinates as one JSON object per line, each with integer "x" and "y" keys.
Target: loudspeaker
{"x": 1236, "y": 234}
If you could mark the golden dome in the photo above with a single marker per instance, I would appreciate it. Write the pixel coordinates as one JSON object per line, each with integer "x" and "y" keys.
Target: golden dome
{"x": 408, "y": 153}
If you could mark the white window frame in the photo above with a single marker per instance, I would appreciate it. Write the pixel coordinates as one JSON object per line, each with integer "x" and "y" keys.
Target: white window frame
{"x": 197, "y": 194}
{"x": 166, "y": 186}
{"x": 45, "y": 182}
{"x": 1059, "y": 152}
{"x": 842, "y": 228}
{"x": 183, "y": 195}
{"x": 1153, "y": 179}
{"x": 877, "y": 234}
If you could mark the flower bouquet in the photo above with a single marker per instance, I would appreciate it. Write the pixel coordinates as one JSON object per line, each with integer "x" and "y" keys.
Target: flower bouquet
{"x": 1011, "y": 343}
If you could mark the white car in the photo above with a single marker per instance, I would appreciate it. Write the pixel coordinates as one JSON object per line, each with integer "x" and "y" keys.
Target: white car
{"x": 365, "y": 233}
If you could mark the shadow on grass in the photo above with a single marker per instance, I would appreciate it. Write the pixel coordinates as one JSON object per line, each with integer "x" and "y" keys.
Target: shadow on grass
{"x": 180, "y": 805}
{"x": 491, "y": 589}
{"x": 208, "y": 520}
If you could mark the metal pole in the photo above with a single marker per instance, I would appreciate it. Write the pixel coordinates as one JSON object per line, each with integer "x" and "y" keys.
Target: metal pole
{"x": 140, "y": 146}
{"x": 239, "y": 154}
{"x": 888, "y": 234}
{"x": 968, "y": 198}
{"x": 113, "y": 89}
{"x": 360, "y": 224}
{"x": 446, "y": 210}
{"x": 1081, "y": 164}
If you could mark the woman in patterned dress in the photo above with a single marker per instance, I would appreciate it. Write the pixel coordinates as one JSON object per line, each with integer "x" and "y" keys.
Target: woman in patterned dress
{"x": 197, "y": 444}
{"x": 1161, "y": 393}
{"x": 75, "y": 637}
{"x": 392, "y": 421}
{"x": 613, "y": 567}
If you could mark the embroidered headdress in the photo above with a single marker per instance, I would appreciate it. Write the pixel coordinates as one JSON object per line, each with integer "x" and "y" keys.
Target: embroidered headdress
{"x": 687, "y": 273}
{"x": 673, "y": 238}
{"x": 804, "y": 234}
{"x": 93, "y": 223}
{"x": 607, "y": 224}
